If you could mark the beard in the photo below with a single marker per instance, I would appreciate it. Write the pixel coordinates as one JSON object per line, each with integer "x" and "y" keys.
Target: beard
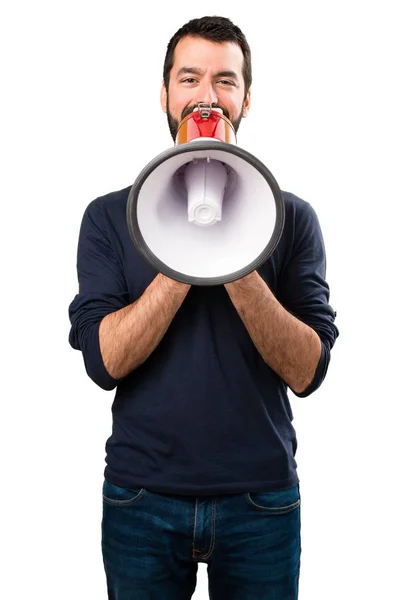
{"x": 174, "y": 123}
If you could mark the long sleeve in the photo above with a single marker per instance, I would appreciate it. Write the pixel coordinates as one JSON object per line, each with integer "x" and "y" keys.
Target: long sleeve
{"x": 102, "y": 290}
{"x": 302, "y": 288}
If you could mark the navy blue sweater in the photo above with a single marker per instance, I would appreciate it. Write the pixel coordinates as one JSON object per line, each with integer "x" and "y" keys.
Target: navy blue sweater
{"x": 204, "y": 414}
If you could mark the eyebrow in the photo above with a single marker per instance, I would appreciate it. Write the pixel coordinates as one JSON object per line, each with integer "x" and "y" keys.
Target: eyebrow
{"x": 195, "y": 71}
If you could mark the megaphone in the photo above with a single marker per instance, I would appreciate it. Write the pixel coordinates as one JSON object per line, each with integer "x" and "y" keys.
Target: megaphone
{"x": 205, "y": 212}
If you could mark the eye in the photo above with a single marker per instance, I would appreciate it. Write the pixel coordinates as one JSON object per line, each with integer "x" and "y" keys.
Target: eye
{"x": 188, "y": 80}
{"x": 226, "y": 82}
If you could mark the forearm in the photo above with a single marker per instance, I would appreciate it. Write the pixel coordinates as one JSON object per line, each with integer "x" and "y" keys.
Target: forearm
{"x": 289, "y": 346}
{"x": 128, "y": 336}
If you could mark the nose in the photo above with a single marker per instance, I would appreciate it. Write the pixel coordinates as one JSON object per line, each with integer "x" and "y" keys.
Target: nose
{"x": 206, "y": 93}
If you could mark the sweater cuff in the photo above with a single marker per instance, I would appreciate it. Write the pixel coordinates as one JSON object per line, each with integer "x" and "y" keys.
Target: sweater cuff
{"x": 320, "y": 373}
{"x": 95, "y": 366}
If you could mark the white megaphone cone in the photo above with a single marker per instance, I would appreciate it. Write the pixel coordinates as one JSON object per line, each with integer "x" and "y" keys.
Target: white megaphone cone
{"x": 205, "y": 212}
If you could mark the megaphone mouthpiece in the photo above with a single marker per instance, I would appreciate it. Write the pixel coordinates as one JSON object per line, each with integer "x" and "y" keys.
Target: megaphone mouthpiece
{"x": 205, "y": 181}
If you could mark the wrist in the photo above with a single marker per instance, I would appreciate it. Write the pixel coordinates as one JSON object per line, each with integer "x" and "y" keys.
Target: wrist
{"x": 172, "y": 285}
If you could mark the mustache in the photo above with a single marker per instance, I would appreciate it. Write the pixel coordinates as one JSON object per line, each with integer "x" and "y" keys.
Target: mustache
{"x": 190, "y": 109}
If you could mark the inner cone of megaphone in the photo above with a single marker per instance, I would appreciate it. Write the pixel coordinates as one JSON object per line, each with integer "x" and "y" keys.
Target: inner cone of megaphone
{"x": 205, "y": 182}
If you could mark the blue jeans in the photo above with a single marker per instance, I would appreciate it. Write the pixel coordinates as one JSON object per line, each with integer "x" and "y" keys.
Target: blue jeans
{"x": 152, "y": 544}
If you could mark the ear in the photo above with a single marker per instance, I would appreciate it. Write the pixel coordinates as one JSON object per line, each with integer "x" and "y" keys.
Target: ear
{"x": 163, "y": 97}
{"x": 247, "y": 102}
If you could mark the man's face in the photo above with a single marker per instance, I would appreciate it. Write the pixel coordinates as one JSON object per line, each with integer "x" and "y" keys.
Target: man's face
{"x": 205, "y": 71}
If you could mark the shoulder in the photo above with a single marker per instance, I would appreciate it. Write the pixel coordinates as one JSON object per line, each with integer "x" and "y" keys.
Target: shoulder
{"x": 300, "y": 217}
{"x": 106, "y": 214}
{"x": 301, "y": 235}
{"x": 109, "y": 204}
{"x": 297, "y": 208}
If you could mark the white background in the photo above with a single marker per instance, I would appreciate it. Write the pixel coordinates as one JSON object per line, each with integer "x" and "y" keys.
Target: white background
{"x": 80, "y": 117}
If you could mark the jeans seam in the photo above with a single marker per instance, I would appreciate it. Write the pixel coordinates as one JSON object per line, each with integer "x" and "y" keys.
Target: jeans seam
{"x": 194, "y": 530}
{"x": 273, "y": 510}
{"x": 212, "y": 542}
{"x": 113, "y": 502}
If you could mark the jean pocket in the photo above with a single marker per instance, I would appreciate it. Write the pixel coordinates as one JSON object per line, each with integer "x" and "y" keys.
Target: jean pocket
{"x": 120, "y": 496}
{"x": 275, "y": 503}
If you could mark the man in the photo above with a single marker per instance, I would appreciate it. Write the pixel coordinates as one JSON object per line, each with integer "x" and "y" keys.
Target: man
{"x": 200, "y": 463}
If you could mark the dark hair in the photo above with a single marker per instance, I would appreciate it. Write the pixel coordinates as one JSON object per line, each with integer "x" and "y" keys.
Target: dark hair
{"x": 214, "y": 29}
